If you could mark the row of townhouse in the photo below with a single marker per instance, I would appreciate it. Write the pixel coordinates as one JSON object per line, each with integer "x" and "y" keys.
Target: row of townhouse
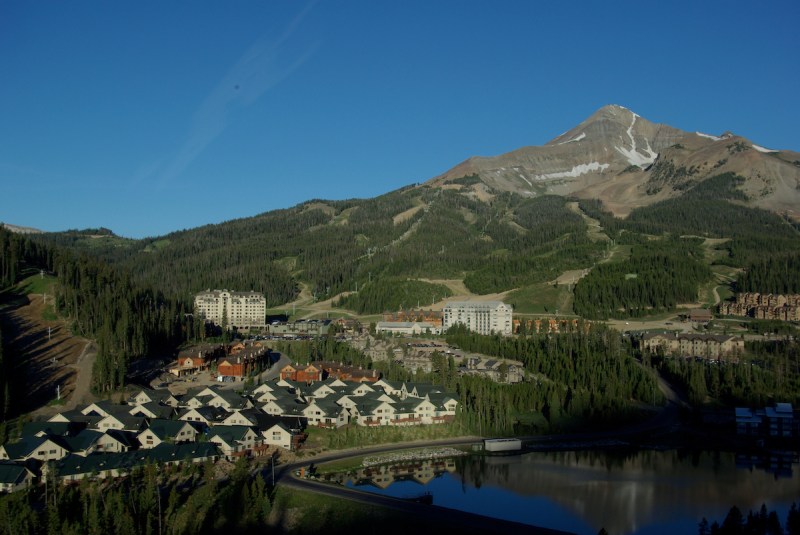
{"x": 763, "y": 306}
{"x": 334, "y": 403}
{"x": 708, "y": 346}
{"x": 273, "y": 415}
{"x": 151, "y": 420}
{"x": 319, "y": 370}
{"x": 773, "y": 300}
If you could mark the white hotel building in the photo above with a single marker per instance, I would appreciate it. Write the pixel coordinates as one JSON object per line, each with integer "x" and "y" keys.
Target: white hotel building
{"x": 485, "y": 317}
{"x": 243, "y": 309}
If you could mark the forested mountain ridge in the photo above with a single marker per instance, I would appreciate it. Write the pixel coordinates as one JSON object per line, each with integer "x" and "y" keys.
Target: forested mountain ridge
{"x": 505, "y": 243}
{"x": 496, "y": 237}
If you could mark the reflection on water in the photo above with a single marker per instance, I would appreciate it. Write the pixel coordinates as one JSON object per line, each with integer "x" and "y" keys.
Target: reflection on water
{"x": 420, "y": 472}
{"x": 625, "y": 492}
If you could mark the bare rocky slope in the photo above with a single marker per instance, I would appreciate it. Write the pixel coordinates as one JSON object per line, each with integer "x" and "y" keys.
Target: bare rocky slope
{"x": 627, "y": 161}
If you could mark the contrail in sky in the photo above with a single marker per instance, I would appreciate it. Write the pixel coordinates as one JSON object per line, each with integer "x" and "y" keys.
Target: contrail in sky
{"x": 251, "y": 76}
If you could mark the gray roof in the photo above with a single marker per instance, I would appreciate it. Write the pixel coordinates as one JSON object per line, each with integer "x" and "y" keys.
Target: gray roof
{"x": 77, "y": 416}
{"x": 11, "y": 473}
{"x": 52, "y": 428}
{"x": 83, "y": 441}
{"x": 24, "y": 446}
{"x": 160, "y": 411}
{"x": 211, "y": 414}
{"x": 164, "y": 429}
{"x": 96, "y": 462}
{"x": 230, "y": 434}
{"x": 259, "y": 419}
{"x": 130, "y": 423}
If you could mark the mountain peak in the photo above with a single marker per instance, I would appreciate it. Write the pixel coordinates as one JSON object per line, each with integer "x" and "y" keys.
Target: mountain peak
{"x": 627, "y": 161}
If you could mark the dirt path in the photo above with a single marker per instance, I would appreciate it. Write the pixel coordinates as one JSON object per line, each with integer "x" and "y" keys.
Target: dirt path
{"x": 82, "y": 394}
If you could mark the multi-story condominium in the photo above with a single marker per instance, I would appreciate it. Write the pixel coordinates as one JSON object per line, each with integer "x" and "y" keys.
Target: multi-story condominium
{"x": 481, "y": 317}
{"x": 763, "y": 306}
{"x": 240, "y": 309}
{"x": 709, "y": 346}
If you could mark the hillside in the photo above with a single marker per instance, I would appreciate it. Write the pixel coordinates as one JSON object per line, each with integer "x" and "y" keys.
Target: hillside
{"x": 517, "y": 223}
{"x": 628, "y": 162}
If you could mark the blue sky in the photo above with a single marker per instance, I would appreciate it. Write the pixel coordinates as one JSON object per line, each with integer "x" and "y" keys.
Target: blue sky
{"x": 150, "y": 117}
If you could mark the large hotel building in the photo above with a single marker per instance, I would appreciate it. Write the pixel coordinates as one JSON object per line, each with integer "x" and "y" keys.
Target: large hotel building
{"x": 485, "y": 317}
{"x": 244, "y": 310}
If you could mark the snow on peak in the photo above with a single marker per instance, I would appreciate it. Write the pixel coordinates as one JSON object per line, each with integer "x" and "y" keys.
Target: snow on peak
{"x": 762, "y": 149}
{"x": 576, "y": 171}
{"x": 709, "y": 136}
{"x": 576, "y": 138}
{"x": 633, "y": 156}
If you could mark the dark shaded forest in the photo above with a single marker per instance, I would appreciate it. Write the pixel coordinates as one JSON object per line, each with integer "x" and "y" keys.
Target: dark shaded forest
{"x": 153, "y": 499}
{"x": 102, "y": 302}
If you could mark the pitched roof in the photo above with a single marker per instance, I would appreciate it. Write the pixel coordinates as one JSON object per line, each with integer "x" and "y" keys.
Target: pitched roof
{"x": 230, "y": 434}
{"x": 440, "y": 398}
{"x": 52, "y": 428}
{"x": 132, "y": 423}
{"x": 24, "y": 446}
{"x": 159, "y": 411}
{"x": 126, "y": 438}
{"x": 77, "y": 416}
{"x": 83, "y": 441}
{"x": 11, "y": 473}
{"x": 259, "y": 419}
{"x": 209, "y": 413}
{"x": 164, "y": 429}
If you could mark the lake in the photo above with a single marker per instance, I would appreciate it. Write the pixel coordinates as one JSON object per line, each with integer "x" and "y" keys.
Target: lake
{"x": 642, "y": 492}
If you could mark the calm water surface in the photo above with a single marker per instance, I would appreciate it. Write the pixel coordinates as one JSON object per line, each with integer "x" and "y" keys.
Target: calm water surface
{"x": 644, "y": 492}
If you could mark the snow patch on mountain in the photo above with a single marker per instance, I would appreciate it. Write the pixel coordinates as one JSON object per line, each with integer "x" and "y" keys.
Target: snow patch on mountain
{"x": 577, "y": 138}
{"x": 709, "y": 136}
{"x": 763, "y": 149}
{"x": 576, "y": 171}
{"x": 633, "y": 156}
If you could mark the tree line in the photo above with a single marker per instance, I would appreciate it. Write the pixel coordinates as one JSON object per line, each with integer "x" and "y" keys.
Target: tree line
{"x": 761, "y": 522}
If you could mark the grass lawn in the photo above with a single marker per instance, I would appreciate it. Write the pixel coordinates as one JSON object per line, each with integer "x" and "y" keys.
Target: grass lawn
{"x": 37, "y": 284}
{"x": 542, "y": 298}
{"x": 157, "y": 245}
{"x": 351, "y": 436}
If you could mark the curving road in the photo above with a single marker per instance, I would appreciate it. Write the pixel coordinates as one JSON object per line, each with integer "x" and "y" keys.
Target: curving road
{"x": 665, "y": 420}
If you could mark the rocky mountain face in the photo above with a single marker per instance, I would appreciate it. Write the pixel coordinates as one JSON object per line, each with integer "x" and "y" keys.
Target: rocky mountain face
{"x": 627, "y": 162}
